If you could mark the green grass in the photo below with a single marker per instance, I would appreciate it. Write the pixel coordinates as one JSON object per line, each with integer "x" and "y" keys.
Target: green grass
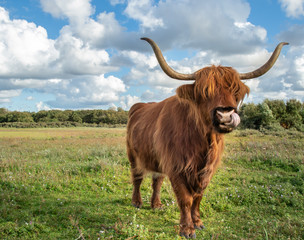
{"x": 74, "y": 183}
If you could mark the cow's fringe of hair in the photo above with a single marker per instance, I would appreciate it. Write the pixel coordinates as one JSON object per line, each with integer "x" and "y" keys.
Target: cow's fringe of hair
{"x": 210, "y": 81}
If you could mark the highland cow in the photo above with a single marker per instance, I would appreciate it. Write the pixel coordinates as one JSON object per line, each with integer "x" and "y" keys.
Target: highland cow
{"x": 182, "y": 137}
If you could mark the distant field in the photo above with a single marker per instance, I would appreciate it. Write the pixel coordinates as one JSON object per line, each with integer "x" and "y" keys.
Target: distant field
{"x": 74, "y": 183}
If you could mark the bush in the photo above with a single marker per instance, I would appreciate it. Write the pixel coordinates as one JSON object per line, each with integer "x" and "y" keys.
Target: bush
{"x": 271, "y": 114}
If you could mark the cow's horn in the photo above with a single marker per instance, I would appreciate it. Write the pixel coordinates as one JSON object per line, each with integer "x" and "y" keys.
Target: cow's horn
{"x": 262, "y": 70}
{"x": 164, "y": 65}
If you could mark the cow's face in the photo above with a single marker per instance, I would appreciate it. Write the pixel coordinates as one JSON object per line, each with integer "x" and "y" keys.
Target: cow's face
{"x": 217, "y": 92}
{"x": 224, "y": 112}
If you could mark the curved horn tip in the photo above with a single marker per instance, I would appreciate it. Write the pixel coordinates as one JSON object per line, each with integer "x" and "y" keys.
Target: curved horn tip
{"x": 267, "y": 66}
{"x": 281, "y": 44}
{"x": 148, "y": 40}
{"x": 145, "y": 38}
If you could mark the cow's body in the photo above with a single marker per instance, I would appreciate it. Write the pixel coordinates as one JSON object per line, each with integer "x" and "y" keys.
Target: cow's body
{"x": 182, "y": 137}
{"x": 178, "y": 138}
{"x": 168, "y": 138}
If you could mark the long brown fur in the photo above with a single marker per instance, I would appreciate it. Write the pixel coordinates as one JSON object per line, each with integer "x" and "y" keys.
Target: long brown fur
{"x": 176, "y": 137}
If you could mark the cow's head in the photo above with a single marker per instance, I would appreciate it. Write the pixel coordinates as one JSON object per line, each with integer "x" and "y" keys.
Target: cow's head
{"x": 216, "y": 90}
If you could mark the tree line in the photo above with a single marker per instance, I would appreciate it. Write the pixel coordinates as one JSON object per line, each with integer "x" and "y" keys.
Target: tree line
{"x": 270, "y": 114}
{"x": 59, "y": 118}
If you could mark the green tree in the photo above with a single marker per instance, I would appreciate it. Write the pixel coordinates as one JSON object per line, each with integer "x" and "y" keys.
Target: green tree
{"x": 302, "y": 113}
{"x": 91, "y": 117}
{"x": 74, "y": 117}
{"x": 248, "y": 114}
{"x": 278, "y": 108}
{"x": 293, "y": 117}
{"x": 19, "y": 117}
{"x": 3, "y": 112}
{"x": 63, "y": 116}
{"x": 42, "y": 116}
{"x": 264, "y": 117}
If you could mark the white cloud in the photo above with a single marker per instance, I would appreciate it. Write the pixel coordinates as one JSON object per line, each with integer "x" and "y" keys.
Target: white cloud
{"x": 83, "y": 92}
{"x": 220, "y": 26}
{"x": 103, "y": 32}
{"x": 299, "y": 67}
{"x": 6, "y": 95}
{"x": 128, "y": 101}
{"x": 74, "y": 10}
{"x": 42, "y": 106}
{"x": 293, "y": 8}
{"x": 146, "y": 71}
{"x": 25, "y": 83}
{"x": 25, "y": 49}
{"x": 78, "y": 57}
{"x": 144, "y": 11}
{"x": 299, "y": 61}
{"x": 4, "y": 100}
{"x": 115, "y": 2}
{"x": 106, "y": 32}
{"x": 157, "y": 93}
{"x": 294, "y": 35}
{"x": 30, "y": 98}
{"x": 28, "y": 59}
{"x": 9, "y": 93}
{"x": 141, "y": 59}
{"x": 26, "y": 52}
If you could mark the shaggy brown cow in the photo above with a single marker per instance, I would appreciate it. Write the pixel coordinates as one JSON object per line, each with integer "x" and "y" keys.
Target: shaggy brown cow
{"x": 182, "y": 136}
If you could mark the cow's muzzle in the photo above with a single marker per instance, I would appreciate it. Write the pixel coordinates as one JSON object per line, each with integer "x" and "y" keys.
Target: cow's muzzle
{"x": 225, "y": 119}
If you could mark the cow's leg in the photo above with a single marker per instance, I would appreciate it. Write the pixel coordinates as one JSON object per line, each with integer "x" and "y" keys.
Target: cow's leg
{"x": 157, "y": 181}
{"x": 185, "y": 201}
{"x": 198, "y": 224}
{"x": 137, "y": 177}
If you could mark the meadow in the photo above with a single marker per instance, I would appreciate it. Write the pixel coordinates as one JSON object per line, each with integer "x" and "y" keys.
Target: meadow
{"x": 74, "y": 183}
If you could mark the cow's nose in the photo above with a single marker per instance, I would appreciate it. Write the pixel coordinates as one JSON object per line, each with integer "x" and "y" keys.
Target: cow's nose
{"x": 224, "y": 116}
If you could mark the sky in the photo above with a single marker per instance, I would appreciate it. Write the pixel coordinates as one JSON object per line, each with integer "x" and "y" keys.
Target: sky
{"x": 87, "y": 54}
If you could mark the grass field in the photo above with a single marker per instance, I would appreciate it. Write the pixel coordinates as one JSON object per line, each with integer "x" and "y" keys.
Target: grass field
{"x": 74, "y": 183}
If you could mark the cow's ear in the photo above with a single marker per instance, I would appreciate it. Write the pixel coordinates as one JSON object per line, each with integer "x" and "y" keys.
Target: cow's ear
{"x": 186, "y": 91}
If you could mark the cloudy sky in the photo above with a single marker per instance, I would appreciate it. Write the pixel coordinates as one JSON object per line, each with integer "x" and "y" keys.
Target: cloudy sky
{"x": 87, "y": 54}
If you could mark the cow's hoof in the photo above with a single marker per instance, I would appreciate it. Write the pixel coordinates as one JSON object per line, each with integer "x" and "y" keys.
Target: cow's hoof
{"x": 188, "y": 236}
{"x": 137, "y": 204}
{"x": 199, "y": 227}
{"x": 157, "y": 206}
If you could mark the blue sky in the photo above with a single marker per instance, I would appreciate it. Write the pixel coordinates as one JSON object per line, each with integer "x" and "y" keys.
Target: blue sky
{"x": 82, "y": 54}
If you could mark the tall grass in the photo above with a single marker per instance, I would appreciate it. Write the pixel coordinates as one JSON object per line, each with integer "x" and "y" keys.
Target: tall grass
{"x": 75, "y": 184}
